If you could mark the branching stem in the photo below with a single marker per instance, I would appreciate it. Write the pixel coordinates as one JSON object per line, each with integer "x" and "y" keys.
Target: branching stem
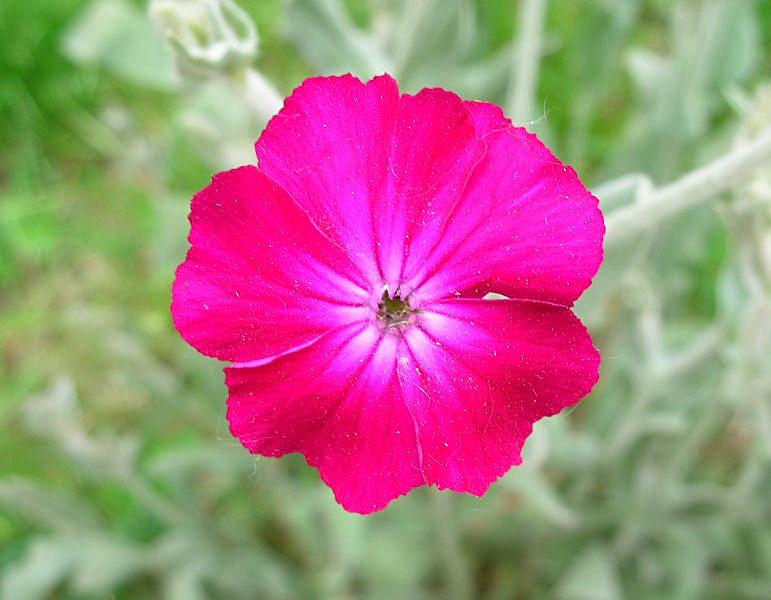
{"x": 694, "y": 188}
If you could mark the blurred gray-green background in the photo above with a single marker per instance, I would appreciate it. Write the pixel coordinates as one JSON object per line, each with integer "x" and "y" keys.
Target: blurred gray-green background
{"x": 118, "y": 478}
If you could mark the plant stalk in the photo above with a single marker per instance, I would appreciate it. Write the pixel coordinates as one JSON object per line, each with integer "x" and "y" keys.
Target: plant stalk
{"x": 526, "y": 60}
{"x": 692, "y": 189}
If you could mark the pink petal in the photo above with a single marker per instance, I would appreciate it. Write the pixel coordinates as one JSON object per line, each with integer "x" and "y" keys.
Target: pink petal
{"x": 487, "y": 117}
{"x": 526, "y": 226}
{"x": 434, "y": 150}
{"x": 375, "y": 170}
{"x": 361, "y": 187}
{"x": 338, "y": 402}
{"x": 329, "y": 148}
{"x": 259, "y": 279}
{"x": 478, "y": 374}
{"x": 450, "y": 403}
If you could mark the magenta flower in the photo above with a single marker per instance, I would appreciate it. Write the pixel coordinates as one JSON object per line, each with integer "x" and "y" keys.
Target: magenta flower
{"x": 345, "y": 279}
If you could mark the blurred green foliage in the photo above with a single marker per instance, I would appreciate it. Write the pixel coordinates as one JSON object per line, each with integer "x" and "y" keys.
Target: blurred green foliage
{"x": 118, "y": 478}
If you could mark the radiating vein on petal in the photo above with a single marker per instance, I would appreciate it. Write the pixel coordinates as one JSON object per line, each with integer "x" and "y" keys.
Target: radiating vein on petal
{"x": 259, "y": 278}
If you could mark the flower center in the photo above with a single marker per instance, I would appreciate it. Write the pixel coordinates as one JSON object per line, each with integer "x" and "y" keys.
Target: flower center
{"x": 395, "y": 311}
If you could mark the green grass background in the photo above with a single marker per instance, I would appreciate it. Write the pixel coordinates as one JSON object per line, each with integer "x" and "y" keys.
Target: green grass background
{"x": 118, "y": 478}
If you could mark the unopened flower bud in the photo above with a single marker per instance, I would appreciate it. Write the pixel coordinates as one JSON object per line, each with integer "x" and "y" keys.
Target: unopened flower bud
{"x": 207, "y": 35}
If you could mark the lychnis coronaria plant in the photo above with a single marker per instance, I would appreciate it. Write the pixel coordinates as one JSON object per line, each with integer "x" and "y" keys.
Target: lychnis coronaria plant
{"x": 346, "y": 278}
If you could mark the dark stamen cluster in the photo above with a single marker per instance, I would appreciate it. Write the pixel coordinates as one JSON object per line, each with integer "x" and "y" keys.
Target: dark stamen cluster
{"x": 393, "y": 311}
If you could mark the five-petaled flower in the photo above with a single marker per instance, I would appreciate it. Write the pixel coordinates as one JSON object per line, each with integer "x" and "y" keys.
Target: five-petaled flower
{"x": 345, "y": 279}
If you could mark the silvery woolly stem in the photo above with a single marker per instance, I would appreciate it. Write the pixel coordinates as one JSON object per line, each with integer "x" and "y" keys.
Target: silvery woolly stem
{"x": 258, "y": 93}
{"x": 694, "y": 188}
{"x": 525, "y": 65}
